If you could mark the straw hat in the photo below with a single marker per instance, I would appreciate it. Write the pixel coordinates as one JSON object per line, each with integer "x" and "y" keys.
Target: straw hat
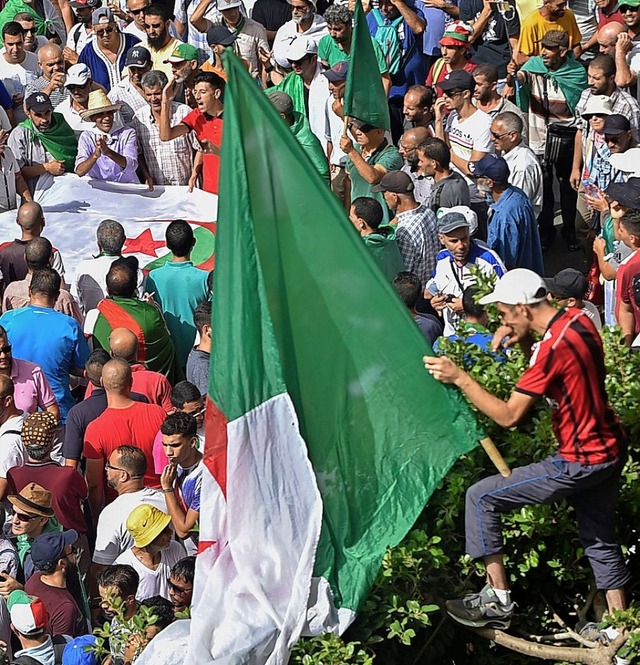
{"x": 99, "y": 103}
{"x": 33, "y": 500}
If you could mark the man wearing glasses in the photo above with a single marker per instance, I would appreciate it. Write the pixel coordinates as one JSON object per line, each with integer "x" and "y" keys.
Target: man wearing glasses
{"x": 305, "y": 22}
{"x": 136, "y": 8}
{"x": 106, "y": 53}
{"x": 79, "y": 84}
{"x": 627, "y": 48}
{"x": 81, "y": 33}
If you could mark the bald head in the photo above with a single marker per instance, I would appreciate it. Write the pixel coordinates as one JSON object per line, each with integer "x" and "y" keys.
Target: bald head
{"x": 116, "y": 377}
{"x": 30, "y": 218}
{"x": 50, "y": 60}
{"x": 414, "y": 137}
{"x": 48, "y": 51}
{"x": 417, "y": 105}
{"x": 608, "y": 36}
{"x": 124, "y": 344}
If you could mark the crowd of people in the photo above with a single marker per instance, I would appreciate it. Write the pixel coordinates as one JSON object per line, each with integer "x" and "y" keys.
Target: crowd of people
{"x": 496, "y": 109}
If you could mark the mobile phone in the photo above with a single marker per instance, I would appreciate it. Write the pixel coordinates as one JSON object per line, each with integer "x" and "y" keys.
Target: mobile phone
{"x": 433, "y": 289}
{"x": 589, "y": 189}
{"x": 450, "y": 298}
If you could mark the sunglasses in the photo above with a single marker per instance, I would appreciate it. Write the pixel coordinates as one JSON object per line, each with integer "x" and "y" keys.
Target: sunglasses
{"x": 29, "y": 30}
{"x": 7, "y": 348}
{"x": 135, "y": 12}
{"x": 78, "y": 87}
{"x": 363, "y": 128}
{"x": 178, "y": 589}
{"x": 299, "y": 62}
{"x": 628, "y": 8}
{"x": 197, "y": 413}
{"x": 499, "y": 136}
{"x": 105, "y": 31}
{"x": 23, "y": 517}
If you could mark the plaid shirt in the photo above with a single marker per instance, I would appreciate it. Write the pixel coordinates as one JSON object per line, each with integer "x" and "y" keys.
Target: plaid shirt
{"x": 621, "y": 102}
{"x": 417, "y": 236}
{"x": 57, "y": 95}
{"x": 168, "y": 162}
{"x": 127, "y": 94}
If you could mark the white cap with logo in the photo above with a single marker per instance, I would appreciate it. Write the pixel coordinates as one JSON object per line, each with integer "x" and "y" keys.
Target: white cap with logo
{"x": 517, "y": 287}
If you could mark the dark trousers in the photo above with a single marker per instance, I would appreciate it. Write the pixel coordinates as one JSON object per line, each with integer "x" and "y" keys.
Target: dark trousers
{"x": 568, "y": 197}
{"x": 591, "y": 490}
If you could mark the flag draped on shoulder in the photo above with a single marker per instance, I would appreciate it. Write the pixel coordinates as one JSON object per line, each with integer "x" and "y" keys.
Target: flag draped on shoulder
{"x": 364, "y": 95}
{"x": 325, "y": 436}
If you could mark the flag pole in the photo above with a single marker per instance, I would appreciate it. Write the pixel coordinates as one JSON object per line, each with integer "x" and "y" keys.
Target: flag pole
{"x": 495, "y": 456}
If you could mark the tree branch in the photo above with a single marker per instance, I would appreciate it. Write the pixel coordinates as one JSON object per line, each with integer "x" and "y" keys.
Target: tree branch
{"x": 599, "y": 655}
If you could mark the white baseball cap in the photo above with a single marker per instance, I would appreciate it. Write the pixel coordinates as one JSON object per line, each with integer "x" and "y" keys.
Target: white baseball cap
{"x": 518, "y": 287}
{"x": 300, "y": 47}
{"x": 78, "y": 75}
{"x": 229, "y": 4}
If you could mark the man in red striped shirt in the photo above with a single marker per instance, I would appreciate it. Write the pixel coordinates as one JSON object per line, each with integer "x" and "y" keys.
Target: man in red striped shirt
{"x": 567, "y": 368}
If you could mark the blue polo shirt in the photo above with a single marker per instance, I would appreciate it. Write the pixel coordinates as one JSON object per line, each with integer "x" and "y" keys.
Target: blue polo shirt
{"x": 52, "y": 340}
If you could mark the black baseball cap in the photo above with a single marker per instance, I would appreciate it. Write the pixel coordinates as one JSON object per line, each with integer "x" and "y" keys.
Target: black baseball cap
{"x": 218, "y": 34}
{"x": 625, "y": 193}
{"x": 38, "y": 101}
{"x": 568, "y": 283}
{"x": 616, "y": 124}
{"x": 137, "y": 56}
{"x": 338, "y": 72}
{"x": 394, "y": 181}
{"x": 458, "y": 79}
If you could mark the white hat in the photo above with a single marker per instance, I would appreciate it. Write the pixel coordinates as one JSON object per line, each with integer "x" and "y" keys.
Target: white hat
{"x": 78, "y": 75}
{"x": 300, "y": 47}
{"x": 466, "y": 212}
{"x": 627, "y": 162}
{"x": 517, "y": 287}
{"x": 229, "y": 4}
{"x": 313, "y": 2}
{"x": 597, "y": 105}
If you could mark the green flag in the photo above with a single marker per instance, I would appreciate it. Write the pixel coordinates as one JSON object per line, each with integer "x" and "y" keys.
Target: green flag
{"x": 364, "y": 95}
{"x": 314, "y": 357}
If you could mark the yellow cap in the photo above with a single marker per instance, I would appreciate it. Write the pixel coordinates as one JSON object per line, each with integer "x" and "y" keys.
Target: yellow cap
{"x": 146, "y": 523}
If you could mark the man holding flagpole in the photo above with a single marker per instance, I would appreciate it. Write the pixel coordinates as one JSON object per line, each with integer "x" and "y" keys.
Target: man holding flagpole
{"x": 567, "y": 368}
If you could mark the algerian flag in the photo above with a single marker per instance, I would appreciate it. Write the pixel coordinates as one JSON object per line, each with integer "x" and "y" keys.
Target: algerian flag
{"x": 364, "y": 95}
{"x": 325, "y": 436}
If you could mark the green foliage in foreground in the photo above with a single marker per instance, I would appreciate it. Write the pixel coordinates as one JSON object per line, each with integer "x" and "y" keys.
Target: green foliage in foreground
{"x": 401, "y": 621}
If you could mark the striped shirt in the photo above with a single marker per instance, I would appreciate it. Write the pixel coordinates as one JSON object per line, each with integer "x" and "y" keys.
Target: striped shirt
{"x": 567, "y": 367}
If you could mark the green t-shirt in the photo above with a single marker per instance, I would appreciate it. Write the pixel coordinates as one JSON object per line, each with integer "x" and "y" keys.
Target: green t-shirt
{"x": 329, "y": 51}
{"x": 386, "y": 155}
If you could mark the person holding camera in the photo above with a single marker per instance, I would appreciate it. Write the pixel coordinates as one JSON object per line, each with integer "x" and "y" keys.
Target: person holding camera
{"x": 452, "y": 274}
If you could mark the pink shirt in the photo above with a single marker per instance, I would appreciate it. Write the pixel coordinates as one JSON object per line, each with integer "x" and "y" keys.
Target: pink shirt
{"x": 32, "y": 390}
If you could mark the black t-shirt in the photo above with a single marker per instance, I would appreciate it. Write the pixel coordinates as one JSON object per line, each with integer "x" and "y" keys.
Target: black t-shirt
{"x": 13, "y": 265}
{"x": 272, "y": 14}
{"x": 492, "y": 48}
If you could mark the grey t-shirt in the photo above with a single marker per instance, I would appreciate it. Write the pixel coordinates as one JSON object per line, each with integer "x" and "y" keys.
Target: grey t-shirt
{"x": 449, "y": 192}
{"x": 198, "y": 369}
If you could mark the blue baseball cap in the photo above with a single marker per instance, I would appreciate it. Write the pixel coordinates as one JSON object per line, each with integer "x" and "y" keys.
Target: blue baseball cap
{"x": 79, "y": 651}
{"x": 490, "y": 166}
{"x": 47, "y": 548}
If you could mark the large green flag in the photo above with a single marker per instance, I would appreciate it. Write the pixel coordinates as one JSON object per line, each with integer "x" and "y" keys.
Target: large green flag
{"x": 364, "y": 95}
{"x": 325, "y": 435}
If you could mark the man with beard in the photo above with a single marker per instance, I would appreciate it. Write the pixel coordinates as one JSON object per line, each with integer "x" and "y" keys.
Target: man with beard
{"x": 251, "y": 36}
{"x": 486, "y": 97}
{"x": 81, "y": 32}
{"x": 205, "y": 121}
{"x": 53, "y": 556}
{"x": 79, "y": 84}
{"x": 184, "y": 67}
{"x": 128, "y": 92}
{"x": 305, "y": 22}
{"x": 53, "y": 75}
{"x": 627, "y": 48}
{"x": 607, "y": 37}
{"x": 408, "y": 148}
{"x": 44, "y": 143}
{"x": 336, "y": 46}
{"x": 159, "y": 42}
{"x": 418, "y": 108}
{"x": 162, "y": 162}
{"x": 601, "y": 77}
{"x": 552, "y": 16}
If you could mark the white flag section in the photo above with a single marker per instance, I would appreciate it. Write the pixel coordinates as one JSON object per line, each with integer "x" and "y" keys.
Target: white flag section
{"x": 73, "y": 207}
{"x": 251, "y": 592}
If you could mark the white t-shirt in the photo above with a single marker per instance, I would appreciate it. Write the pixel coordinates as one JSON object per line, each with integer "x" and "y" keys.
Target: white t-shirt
{"x": 14, "y": 76}
{"x": 112, "y": 538}
{"x": 78, "y": 38}
{"x": 468, "y": 135}
{"x": 154, "y": 582}
{"x": 12, "y": 452}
